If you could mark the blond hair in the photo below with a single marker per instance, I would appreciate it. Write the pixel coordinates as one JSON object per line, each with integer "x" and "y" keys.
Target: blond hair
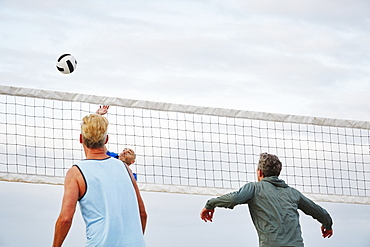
{"x": 94, "y": 130}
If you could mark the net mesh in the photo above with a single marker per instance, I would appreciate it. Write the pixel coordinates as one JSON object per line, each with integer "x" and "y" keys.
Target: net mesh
{"x": 39, "y": 138}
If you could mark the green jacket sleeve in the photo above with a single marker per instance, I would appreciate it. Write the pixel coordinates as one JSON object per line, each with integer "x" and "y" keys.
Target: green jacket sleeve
{"x": 317, "y": 212}
{"x": 242, "y": 196}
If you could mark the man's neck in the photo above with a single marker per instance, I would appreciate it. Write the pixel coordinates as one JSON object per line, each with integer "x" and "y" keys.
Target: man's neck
{"x": 95, "y": 153}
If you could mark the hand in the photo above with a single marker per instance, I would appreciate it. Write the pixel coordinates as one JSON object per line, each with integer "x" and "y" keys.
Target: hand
{"x": 102, "y": 110}
{"x": 207, "y": 214}
{"x": 326, "y": 233}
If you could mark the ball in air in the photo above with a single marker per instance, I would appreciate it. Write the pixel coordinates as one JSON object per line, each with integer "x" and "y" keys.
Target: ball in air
{"x": 66, "y": 64}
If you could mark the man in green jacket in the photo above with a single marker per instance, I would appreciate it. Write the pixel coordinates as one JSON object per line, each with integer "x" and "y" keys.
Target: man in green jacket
{"x": 273, "y": 206}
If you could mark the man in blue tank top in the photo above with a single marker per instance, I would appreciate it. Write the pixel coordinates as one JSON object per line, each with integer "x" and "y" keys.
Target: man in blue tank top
{"x": 273, "y": 206}
{"x": 110, "y": 202}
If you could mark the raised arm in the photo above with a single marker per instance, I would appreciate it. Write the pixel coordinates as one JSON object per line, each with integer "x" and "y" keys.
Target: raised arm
{"x": 102, "y": 110}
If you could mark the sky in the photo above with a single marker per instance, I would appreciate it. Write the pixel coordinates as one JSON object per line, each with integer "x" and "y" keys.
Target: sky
{"x": 308, "y": 58}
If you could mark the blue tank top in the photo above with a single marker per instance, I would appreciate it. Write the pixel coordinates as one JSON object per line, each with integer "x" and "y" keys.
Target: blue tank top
{"x": 110, "y": 207}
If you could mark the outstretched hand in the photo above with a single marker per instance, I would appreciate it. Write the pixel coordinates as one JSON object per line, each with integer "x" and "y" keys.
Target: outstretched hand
{"x": 326, "y": 233}
{"x": 102, "y": 110}
{"x": 207, "y": 214}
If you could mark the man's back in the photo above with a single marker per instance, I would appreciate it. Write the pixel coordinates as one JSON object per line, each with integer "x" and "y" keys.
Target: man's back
{"x": 274, "y": 213}
{"x": 109, "y": 206}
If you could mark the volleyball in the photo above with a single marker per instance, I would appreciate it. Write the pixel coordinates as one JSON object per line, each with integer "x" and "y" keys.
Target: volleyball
{"x": 66, "y": 63}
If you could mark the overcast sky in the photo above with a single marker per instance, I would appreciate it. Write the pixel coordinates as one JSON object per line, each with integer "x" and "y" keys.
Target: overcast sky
{"x": 291, "y": 57}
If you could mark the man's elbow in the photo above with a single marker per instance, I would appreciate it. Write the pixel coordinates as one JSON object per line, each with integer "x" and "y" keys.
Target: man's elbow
{"x": 143, "y": 215}
{"x": 65, "y": 221}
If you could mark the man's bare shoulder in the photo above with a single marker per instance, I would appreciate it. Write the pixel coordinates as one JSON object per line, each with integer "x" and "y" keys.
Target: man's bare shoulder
{"x": 73, "y": 174}
{"x": 73, "y": 171}
{"x": 75, "y": 181}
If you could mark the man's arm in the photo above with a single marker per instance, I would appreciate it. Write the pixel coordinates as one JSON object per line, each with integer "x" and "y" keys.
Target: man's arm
{"x": 242, "y": 196}
{"x": 318, "y": 213}
{"x": 111, "y": 154}
{"x": 142, "y": 211}
{"x": 70, "y": 198}
{"x": 101, "y": 111}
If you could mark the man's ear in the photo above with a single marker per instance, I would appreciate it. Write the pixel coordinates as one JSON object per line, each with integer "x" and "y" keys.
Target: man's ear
{"x": 106, "y": 140}
{"x": 260, "y": 173}
{"x": 81, "y": 139}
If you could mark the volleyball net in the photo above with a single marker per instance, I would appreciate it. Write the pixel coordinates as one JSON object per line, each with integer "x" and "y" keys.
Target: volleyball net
{"x": 183, "y": 148}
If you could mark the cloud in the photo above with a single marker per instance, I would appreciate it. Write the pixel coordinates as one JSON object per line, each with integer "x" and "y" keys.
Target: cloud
{"x": 292, "y": 57}
{"x": 266, "y": 56}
